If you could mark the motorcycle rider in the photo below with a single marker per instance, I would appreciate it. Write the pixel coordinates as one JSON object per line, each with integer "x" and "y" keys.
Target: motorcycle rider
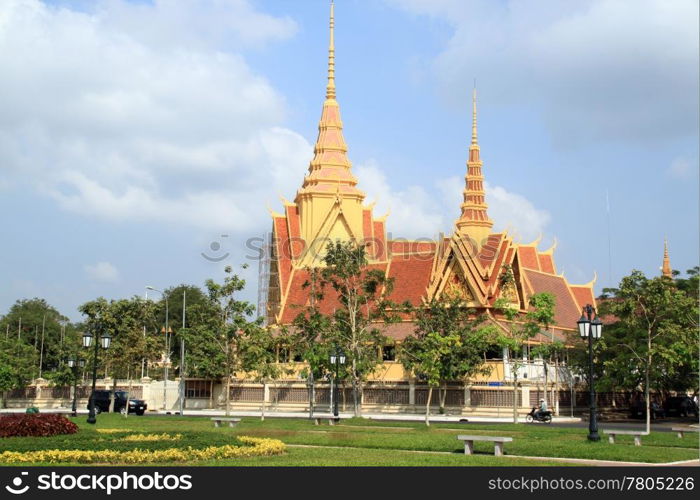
{"x": 540, "y": 411}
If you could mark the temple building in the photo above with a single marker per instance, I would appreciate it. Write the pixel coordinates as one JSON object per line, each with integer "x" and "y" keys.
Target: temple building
{"x": 330, "y": 205}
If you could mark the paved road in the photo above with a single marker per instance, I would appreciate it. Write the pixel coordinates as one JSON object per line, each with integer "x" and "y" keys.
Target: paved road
{"x": 661, "y": 425}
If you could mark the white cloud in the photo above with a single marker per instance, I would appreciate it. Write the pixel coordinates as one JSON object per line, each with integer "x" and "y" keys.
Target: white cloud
{"x": 595, "y": 70}
{"x": 413, "y": 211}
{"x": 419, "y": 213}
{"x": 509, "y": 211}
{"x": 122, "y": 112}
{"x": 103, "y": 272}
{"x": 196, "y": 23}
{"x": 683, "y": 168}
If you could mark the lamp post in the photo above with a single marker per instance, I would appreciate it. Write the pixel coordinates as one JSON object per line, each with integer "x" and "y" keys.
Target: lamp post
{"x": 103, "y": 339}
{"x": 337, "y": 359}
{"x": 73, "y": 364}
{"x": 167, "y": 347}
{"x": 591, "y": 329}
{"x": 182, "y": 355}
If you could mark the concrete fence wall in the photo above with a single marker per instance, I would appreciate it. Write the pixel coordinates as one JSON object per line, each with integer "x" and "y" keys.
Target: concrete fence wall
{"x": 397, "y": 397}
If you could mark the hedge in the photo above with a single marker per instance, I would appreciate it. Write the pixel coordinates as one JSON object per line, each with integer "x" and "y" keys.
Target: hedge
{"x": 35, "y": 425}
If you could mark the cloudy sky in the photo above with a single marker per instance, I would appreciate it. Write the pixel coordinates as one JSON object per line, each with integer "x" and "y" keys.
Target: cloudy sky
{"x": 136, "y": 136}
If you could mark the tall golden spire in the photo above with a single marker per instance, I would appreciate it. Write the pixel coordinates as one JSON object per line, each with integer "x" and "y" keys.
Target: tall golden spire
{"x": 330, "y": 88}
{"x": 666, "y": 267}
{"x": 474, "y": 220}
{"x": 474, "y": 135}
{"x": 330, "y": 178}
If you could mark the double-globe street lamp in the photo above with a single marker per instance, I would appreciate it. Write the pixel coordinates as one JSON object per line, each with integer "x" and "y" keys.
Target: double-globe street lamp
{"x": 73, "y": 364}
{"x": 337, "y": 359}
{"x": 103, "y": 339}
{"x": 592, "y": 329}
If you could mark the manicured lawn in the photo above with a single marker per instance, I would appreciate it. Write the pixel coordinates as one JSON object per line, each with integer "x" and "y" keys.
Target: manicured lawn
{"x": 364, "y": 442}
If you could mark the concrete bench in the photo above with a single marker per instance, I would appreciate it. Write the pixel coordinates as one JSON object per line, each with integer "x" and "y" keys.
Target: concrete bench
{"x": 332, "y": 419}
{"x": 682, "y": 430}
{"x": 496, "y": 440}
{"x": 231, "y": 421}
{"x": 611, "y": 433}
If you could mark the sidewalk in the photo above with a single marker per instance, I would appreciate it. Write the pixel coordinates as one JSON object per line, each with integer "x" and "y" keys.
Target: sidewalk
{"x": 397, "y": 417}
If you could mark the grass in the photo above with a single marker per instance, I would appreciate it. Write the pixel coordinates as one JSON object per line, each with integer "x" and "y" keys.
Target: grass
{"x": 363, "y": 442}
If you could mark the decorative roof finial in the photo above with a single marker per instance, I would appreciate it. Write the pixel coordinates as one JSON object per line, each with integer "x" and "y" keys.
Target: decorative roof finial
{"x": 474, "y": 219}
{"x": 666, "y": 267}
{"x": 474, "y": 136}
{"x": 330, "y": 88}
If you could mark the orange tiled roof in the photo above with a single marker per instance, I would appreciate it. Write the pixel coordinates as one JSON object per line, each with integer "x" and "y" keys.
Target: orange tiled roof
{"x": 546, "y": 263}
{"x": 411, "y": 275}
{"x": 566, "y": 310}
{"x": 528, "y": 257}
{"x": 583, "y": 295}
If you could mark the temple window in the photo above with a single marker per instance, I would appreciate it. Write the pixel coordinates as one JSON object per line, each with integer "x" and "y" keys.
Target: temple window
{"x": 389, "y": 353}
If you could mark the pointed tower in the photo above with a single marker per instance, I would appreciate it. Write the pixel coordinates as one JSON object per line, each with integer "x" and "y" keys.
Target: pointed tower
{"x": 474, "y": 220}
{"x": 666, "y": 267}
{"x": 330, "y": 185}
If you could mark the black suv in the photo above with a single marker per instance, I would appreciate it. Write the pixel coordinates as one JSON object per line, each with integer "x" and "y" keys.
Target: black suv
{"x": 681, "y": 406}
{"x": 137, "y": 406}
{"x": 638, "y": 409}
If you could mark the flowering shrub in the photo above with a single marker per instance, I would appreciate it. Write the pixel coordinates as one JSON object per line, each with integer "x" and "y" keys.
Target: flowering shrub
{"x": 152, "y": 437}
{"x": 36, "y": 425}
{"x": 251, "y": 447}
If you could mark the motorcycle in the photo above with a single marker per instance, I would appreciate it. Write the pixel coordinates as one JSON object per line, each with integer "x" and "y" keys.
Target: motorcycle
{"x": 542, "y": 416}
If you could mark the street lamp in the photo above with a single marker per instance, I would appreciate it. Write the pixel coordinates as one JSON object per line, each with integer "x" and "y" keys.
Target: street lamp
{"x": 167, "y": 346}
{"x": 103, "y": 340}
{"x": 73, "y": 364}
{"x": 337, "y": 359}
{"x": 591, "y": 329}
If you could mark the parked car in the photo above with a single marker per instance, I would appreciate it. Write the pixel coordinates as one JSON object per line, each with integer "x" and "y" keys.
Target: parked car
{"x": 638, "y": 409}
{"x": 121, "y": 405}
{"x": 681, "y": 406}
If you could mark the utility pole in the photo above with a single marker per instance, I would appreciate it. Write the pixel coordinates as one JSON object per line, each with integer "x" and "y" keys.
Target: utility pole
{"x": 41, "y": 352}
{"x": 182, "y": 356}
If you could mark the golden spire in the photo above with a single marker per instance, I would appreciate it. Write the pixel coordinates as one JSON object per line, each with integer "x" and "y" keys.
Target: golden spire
{"x": 330, "y": 88}
{"x": 474, "y": 220}
{"x": 330, "y": 169}
{"x": 666, "y": 267}
{"x": 474, "y": 135}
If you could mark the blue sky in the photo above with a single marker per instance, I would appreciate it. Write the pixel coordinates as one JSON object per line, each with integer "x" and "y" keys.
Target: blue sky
{"x": 134, "y": 134}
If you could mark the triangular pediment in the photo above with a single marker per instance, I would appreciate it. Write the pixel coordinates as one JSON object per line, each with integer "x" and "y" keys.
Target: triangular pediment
{"x": 458, "y": 273}
{"x": 335, "y": 226}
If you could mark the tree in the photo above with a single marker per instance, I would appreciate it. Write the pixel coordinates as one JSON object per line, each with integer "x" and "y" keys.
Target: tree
{"x": 656, "y": 324}
{"x": 227, "y": 324}
{"x": 309, "y": 338}
{"x": 551, "y": 354}
{"x": 448, "y": 345}
{"x": 522, "y": 327}
{"x": 132, "y": 325}
{"x": 41, "y": 326}
{"x": 361, "y": 293}
{"x": 193, "y": 297}
{"x": 17, "y": 364}
{"x": 258, "y": 357}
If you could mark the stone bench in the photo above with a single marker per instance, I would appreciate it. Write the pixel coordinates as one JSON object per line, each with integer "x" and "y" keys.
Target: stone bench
{"x": 611, "y": 433}
{"x": 496, "y": 440}
{"x": 231, "y": 421}
{"x": 332, "y": 419}
{"x": 682, "y": 430}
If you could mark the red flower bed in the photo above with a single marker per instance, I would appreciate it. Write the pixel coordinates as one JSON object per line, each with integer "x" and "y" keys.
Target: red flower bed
{"x": 35, "y": 425}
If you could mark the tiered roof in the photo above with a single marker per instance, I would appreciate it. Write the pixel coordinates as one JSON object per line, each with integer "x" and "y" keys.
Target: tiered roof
{"x": 471, "y": 262}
